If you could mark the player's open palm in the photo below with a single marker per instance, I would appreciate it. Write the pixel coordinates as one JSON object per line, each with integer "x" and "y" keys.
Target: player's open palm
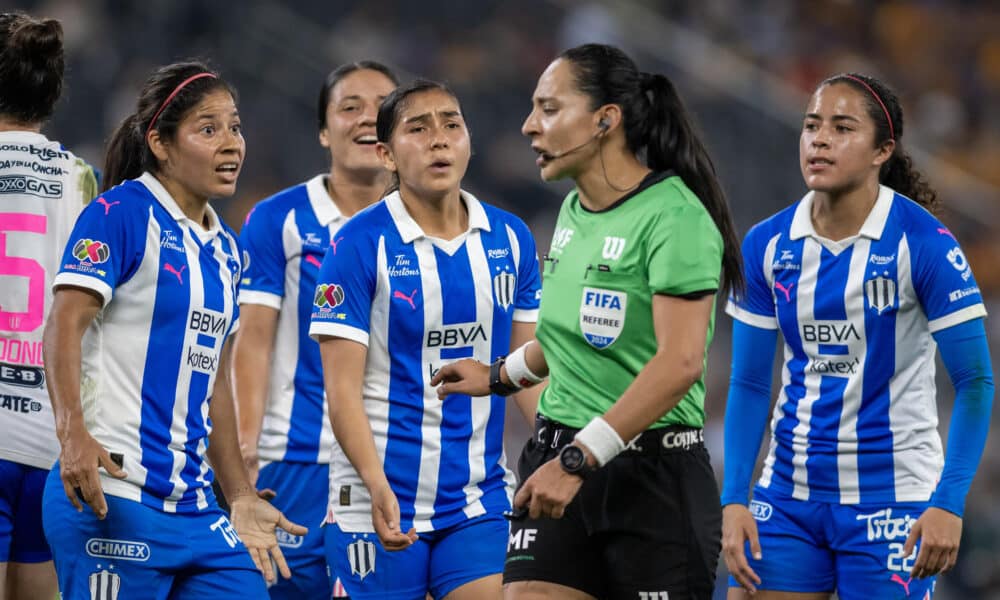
{"x": 254, "y": 521}
{"x": 385, "y": 519}
{"x": 738, "y": 527}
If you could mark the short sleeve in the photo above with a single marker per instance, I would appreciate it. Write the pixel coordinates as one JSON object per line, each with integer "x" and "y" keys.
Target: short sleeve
{"x": 943, "y": 280}
{"x": 684, "y": 253}
{"x": 263, "y": 279}
{"x": 345, "y": 289}
{"x": 105, "y": 247}
{"x": 529, "y": 283}
{"x": 756, "y": 306}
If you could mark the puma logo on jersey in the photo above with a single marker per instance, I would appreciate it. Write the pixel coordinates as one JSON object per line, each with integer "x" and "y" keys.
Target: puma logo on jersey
{"x": 107, "y": 205}
{"x": 334, "y": 242}
{"x": 169, "y": 268}
{"x": 787, "y": 291}
{"x": 409, "y": 299}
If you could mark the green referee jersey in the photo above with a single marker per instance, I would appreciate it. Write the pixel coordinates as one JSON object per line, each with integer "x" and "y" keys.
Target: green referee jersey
{"x": 599, "y": 278}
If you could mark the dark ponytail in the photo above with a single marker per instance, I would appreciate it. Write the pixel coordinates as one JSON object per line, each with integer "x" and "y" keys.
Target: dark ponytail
{"x": 128, "y": 154}
{"x": 655, "y": 121}
{"x": 885, "y": 111}
{"x": 31, "y": 67}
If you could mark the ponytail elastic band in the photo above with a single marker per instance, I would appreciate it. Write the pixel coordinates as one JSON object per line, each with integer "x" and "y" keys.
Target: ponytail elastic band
{"x": 892, "y": 133}
{"x": 174, "y": 93}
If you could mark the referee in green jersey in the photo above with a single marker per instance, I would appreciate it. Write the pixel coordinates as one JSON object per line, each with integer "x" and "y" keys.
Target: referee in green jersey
{"x": 618, "y": 498}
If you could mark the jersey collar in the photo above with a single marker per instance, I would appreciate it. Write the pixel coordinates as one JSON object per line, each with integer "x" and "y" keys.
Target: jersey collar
{"x": 167, "y": 201}
{"x": 408, "y": 228}
{"x": 322, "y": 204}
{"x": 872, "y": 227}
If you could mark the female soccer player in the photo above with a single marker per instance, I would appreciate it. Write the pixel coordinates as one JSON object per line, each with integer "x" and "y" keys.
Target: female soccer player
{"x": 43, "y": 188}
{"x": 617, "y": 460}
{"x": 144, "y": 302}
{"x": 279, "y": 377}
{"x": 863, "y": 284}
{"x": 428, "y": 275}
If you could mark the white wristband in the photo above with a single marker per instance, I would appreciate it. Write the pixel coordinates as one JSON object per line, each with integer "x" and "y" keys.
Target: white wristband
{"x": 517, "y": 369}
{"x": 601, "y": 439}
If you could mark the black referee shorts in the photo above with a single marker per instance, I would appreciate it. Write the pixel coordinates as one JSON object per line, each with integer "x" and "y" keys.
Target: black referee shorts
{"x": 646, "y": 525}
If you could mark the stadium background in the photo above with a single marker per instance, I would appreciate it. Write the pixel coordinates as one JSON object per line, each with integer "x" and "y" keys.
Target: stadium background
{"x": 745, "y": 68}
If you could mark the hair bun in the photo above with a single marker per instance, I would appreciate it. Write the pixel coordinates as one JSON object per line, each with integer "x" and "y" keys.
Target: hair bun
{"x": 39, "y": 40}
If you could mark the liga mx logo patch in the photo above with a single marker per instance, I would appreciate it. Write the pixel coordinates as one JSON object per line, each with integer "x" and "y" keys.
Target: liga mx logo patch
{"x": 602, "y": 316}
{"x": 329, "y": 295}
{"x": 91, "y": 250}
{"x": 361, "y": 555}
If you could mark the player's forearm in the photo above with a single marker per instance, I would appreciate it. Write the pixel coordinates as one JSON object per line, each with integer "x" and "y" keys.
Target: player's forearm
{"x": 223, "y": 447}
{"x": 251, "y": 376}
{"x": 69, "y": 318}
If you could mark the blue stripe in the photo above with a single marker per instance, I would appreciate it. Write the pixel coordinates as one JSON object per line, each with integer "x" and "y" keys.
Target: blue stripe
{"x": 830, "y": 285}
{"x": 306, "y": 426}
{"x": 493, "y": 486}
{"x": 457, "y": 353}
{"x": 875, "y": 444}
{"x": 824, "y": 425}
{"x": 206, "y": 340}
{"x": 787, "y": 314}
{"x": 159, "y": 382}
{"x": 458, "y": 291}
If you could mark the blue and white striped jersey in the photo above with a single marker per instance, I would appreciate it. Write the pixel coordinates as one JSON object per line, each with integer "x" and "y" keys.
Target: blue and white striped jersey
{"x": 284, "y": 240}
{"x": 43, "y": 188}
{"x": 856, "y": 417}
{"x": 419, "y": 302}
{"x": 151, "y": 356}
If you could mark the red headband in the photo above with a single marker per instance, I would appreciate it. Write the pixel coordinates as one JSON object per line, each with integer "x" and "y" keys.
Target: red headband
{"x": 176, "y": 91}
{"x": 892, "y": 134}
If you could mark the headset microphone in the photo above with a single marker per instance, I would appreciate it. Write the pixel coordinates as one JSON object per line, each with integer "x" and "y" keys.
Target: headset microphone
{"x": 602, "y": 128}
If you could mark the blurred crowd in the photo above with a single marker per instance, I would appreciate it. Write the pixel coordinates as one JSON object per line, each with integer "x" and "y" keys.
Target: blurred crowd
{"x": 942, "y": 57}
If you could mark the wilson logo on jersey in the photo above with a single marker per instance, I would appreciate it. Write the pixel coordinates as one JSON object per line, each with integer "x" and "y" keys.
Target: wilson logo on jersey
{"x": 602, "y": 316}
{"x": 504, "y": 288}
{"x": 329, "y": 295}
{"x": 91, "y": 251}
{"x": 881, "y": 293}
{"x": 361, "y": 556}
{"x": 104, "y": 585}
{"x": 613, "y": 248}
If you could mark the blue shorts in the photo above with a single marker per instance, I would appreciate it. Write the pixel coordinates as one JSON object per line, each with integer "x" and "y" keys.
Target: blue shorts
{"x": 141, "y": 553}
{"x": 439, "y": 562}
{"x": 302, "y": 490}
{"x": 855, "y": 549}
{"x": 21, "y": 537}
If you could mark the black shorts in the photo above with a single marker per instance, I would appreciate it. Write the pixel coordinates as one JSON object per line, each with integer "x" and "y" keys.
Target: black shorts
{"x": 646, "y": 525}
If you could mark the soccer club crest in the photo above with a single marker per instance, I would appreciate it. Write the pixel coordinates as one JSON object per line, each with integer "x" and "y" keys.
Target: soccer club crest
{"x": 602, "y": 316}
{"x": 504, "y": 288}
{"x": 361, "y": 555}
{"x": 881, "y": 293}
{"x": 104, "y": 585}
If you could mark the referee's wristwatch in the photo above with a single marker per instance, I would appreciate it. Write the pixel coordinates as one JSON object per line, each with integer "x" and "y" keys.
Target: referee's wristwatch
{"x": 573, "y": 460}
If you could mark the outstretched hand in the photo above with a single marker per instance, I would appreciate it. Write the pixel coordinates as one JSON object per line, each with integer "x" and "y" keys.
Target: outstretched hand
{"x": 467, "y": 376}
{"x": 255, "y": 520}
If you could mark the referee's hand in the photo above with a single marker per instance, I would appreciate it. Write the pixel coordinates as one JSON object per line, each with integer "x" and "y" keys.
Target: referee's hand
{"x": 738, "y": 527}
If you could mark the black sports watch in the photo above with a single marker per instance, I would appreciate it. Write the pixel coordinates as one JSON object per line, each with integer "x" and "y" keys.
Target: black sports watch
{"x": 497, "y": 386}
{"x": 573, "y": 460}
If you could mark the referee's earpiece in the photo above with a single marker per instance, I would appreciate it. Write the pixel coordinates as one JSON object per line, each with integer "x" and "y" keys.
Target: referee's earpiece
{"x": 603, "y": 125}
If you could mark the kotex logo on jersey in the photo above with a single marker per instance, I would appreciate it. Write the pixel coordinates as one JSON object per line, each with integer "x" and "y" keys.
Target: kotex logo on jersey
{"x": 602, "y": 316}
{"x": 208, "y": 327}
{"x": 93, "y": 251}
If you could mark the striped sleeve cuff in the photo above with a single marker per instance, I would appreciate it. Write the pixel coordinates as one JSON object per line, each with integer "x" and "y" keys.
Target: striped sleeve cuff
{"x": 960, "y": 316}
{"x": 83, "y": 281}
{"x": 525, "y": 315}
{"x": 745, "y": 316}
{"x": 261, "y": 298}
{"x": 338, "y": 330}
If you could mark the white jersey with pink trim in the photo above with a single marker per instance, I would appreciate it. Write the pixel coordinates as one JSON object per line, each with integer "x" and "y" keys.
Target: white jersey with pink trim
{"x": 43, "y": 188}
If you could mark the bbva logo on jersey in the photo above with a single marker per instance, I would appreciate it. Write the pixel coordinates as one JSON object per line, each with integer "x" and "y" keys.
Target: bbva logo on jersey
{"x": 602, "y": 316}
